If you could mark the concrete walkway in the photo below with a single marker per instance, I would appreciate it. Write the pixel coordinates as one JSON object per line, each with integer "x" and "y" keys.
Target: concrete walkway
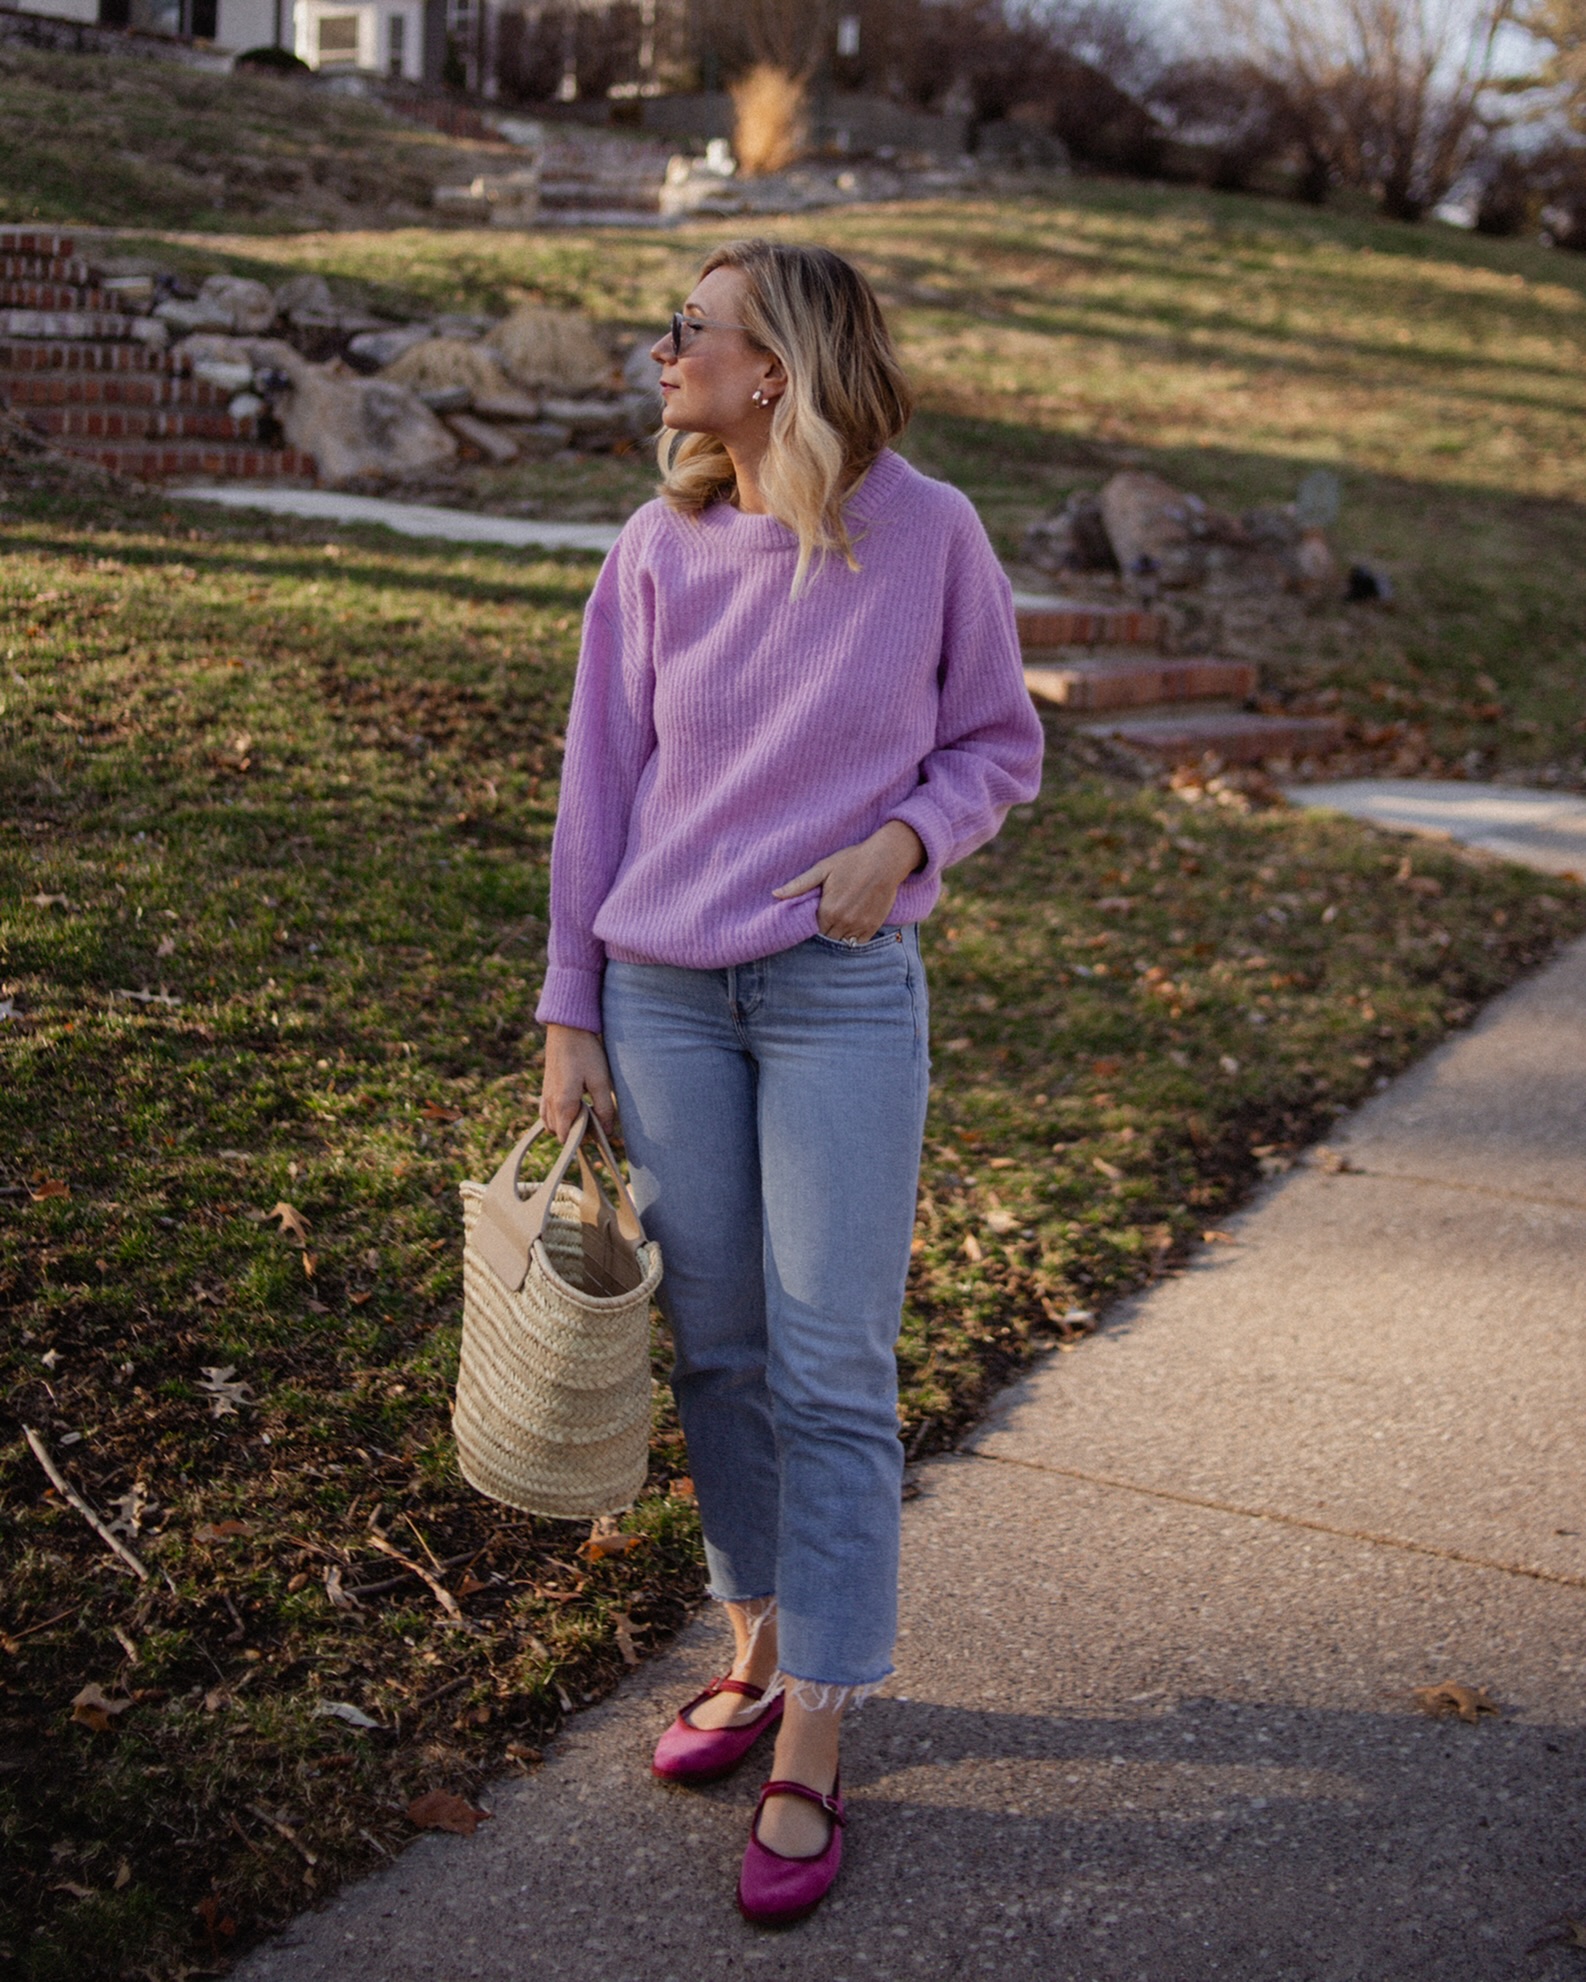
{"x": 1544, "y": 829}
{"x": 409, "y": 519}
{"x": 1152, "y": 1720}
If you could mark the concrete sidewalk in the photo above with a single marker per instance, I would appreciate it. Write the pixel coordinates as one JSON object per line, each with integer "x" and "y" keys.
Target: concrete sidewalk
{"x": 1152, "y": 1720}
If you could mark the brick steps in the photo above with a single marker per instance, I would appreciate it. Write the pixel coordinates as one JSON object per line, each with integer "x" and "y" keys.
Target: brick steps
{"x": 119, "y": 388}
{"x": 151, "y": 461}
{"x": 26, "y": 241}
{"x": 1237, "y": 737}
{"x": 138, "y": 423}
{"x": 1136, "y": 682}
{"x": 97, "y": 326}
{"x": 44, "y": 268}
{"x": 28, "y": 293}
{"x": 79, "y": 355}
{"x": 1077, "y": 623}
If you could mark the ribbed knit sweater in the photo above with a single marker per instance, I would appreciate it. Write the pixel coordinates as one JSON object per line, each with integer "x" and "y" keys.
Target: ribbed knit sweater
{"x": 725, "y": 736}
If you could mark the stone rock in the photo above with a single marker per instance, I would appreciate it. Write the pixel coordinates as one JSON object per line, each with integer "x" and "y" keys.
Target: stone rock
{"x": 246, "y": 406}
{"x": 247, "y": 305}
{"x": 357, "y": 427}
{"x": 445, "y": 364}
{"x": 447, "y": 398}
{"x": 555, "y": 350}
{"x": 509, "y": 405}
{"x": 1313, "y": 571}
{"x": 1156, "y": 531}
{"x": 305, "y": 292}
{"x": 540, "y": 439}
{"x": 459, "y": 324}
{"x": 588, "y": 416}
{"x": 497, "y": 447}
{"x": 373, "y": 350}
{"x": 1075, "y": 539}
{"x": 151, "y": 331}
{"x": 218, "y": 360}
{"x": 183, "y": 314}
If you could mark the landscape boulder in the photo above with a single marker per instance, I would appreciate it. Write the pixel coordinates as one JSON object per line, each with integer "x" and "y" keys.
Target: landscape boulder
{"x": 1157, "y": 532}
{"x": 362, "y": 427}
{"x": 1075, "y": 539}
{"x": 552, "y": 351}
{"x": 373, "y": 350}
{"x": 310, "y": 293}
{"x": 226, "y": 302}
{"x": 447, "y": 364}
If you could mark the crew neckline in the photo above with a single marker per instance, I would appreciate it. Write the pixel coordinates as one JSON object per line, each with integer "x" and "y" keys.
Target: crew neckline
{"x": 748, "y": 532}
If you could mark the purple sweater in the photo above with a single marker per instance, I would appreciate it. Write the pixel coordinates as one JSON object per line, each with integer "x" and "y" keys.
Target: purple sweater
{"x": 725, "y": 736}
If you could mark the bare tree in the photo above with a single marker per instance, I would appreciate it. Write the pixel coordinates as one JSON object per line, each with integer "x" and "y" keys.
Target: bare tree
{"x": 1389, "y": 90}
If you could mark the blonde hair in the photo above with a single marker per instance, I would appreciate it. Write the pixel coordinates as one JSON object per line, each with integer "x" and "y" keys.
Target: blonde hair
{"x": 846, "y": 396}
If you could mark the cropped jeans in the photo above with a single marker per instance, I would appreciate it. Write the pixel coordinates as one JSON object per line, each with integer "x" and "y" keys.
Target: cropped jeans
{"x": 773, "y": 1114}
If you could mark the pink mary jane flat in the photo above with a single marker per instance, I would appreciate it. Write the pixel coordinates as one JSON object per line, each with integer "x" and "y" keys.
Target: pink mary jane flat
{"x": 690, "y": 1754}
{"x": 774, "y": 1891}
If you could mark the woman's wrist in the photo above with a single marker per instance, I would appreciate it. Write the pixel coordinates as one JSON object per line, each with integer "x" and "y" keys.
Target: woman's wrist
{"x": 905, "y": 845}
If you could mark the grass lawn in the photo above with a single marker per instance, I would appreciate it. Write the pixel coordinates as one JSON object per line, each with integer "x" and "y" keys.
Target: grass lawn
{"x": 275, "y": 804}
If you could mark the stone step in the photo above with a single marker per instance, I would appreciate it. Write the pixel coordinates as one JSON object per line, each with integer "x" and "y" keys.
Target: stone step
{"x": 26, "y": 293}
{"x": 23, "y": 354}
{"x": 152, "y": 461}
{"x": 113, "y": 388}
{"x": 1137, "y": 682}
{"x": 44, "y": 268}
{"x": 73, "y": 326}
{"x": 1235, "y": 737}
{"x": 139, "y": 423}
{"x": 1079, "y": 623}
{"x": 27, "y": 241}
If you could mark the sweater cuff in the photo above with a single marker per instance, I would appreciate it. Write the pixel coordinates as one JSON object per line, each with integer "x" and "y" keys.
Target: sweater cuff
{"x": 571, "y": 997}
{"x": 921, "y": 811}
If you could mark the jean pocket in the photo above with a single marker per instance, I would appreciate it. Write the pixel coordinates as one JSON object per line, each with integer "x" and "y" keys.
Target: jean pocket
{"x": 881, "y": 940}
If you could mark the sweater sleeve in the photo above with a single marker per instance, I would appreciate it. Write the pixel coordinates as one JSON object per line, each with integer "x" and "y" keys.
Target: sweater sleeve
{"x": 989, "y": 740}
{"x": 610, "y": 738}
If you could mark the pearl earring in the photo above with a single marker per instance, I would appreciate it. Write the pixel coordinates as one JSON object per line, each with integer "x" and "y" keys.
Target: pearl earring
{"x": 758, "y": 398}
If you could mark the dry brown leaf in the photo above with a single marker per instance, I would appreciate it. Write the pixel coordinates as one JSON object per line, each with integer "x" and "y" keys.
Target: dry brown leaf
{"x": 1451, "y": 1697}
{"x": 972, "y": 1248}
{"x": 470, "y": 1586}
{"x": 71, "y": 1886}
{"x": 341, "y": 1599}
{"x": 219, "y": 1531}
{"x": 598, "y": 1547}
{"x": 1219, "y": 1239}
{"x": 309, "y": 1265}
{"x": 123, "y": 1876}
{"x": 682, "y": 1489}
{"x": 623, "y": 1633}
{"x": 93, "y": 1708}
{"x": 166, "y": 947}
{"x": 1002, "y": 1222}
{"x": 293, "y": 1224}
{"x": 435, "y": 1111}
{"x": 224, "y": 1395}
{"x": 1107, "y": 1169}
{"x": 43, "y": 1186}
{"x": 49, "y": 901}
{"x": 1105, "y": 1069}
{"x": 440, "y": 1810}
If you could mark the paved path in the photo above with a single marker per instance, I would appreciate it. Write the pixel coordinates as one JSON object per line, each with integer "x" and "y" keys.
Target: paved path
{"x": 1153, "y": 1718}
{"x": 411, "y": 519}
{"x": 1545, "y": 829}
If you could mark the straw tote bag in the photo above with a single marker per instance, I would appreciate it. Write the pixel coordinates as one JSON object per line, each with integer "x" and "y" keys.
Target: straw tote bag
{"x": 552, "y": 1413}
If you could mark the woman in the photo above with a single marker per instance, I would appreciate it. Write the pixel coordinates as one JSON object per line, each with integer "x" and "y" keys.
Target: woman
{"x": 799, "y": 699}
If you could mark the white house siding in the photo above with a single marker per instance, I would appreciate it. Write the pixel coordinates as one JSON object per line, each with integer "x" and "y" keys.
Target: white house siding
{"x": 244, "y": 24}
{"x": 60, "y": 10}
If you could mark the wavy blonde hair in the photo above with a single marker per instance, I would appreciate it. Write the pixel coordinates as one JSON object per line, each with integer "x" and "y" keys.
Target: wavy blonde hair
{"x": 846, "y": 398}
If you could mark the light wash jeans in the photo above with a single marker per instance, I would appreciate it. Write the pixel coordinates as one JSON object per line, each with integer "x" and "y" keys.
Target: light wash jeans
{"x": 773, "y": 1115}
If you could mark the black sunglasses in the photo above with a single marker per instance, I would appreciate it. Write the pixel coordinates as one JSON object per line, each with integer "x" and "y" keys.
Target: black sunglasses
{"x": 680, "y": 323}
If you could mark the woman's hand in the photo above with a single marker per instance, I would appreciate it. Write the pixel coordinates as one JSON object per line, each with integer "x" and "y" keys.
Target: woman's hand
{"x": 575, "y": 1066}
{"x": 859, "y": 884}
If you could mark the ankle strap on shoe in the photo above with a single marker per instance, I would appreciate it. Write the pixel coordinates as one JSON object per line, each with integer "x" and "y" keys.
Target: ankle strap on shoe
{"x": 832, "y": 1805}
{"x": 733, "y": 1686}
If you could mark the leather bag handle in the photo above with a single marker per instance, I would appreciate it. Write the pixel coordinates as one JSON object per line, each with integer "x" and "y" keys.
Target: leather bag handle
{"x": 510, "y": 1226}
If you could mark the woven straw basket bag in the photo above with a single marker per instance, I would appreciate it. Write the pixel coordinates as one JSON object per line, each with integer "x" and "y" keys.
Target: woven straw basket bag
{"x": 552, "y": 1413}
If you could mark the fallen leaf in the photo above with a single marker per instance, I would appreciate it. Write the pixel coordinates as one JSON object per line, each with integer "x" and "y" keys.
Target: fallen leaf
{"x": 8, "y": 1010}
{"x": 1451, "y": 1697}
{"x": 1107, "y": 1169}
{"x": 309, "y": 1264}
{"x": 518, "y": 1751}
{"x": 956, "y": 1046}
{"x": 293, "y": 1224}
{"x": 623, "y": 1633}
{"x": 470, "y": 1586}
{"x": 224, "y": 1395}
{"x": 43, "y": 1187}
{"x": 1001, "y": 1222}
{"x": 123, "y": 1876}
{"x": 1228, "y": 1063}
{"x": 435, "y": 1111}
{"x": 682, "y": 1489}
{"x": 131, "y": 1508}
{"x": 93, "y": 1708}
{"x": 71, "y": 1886}
{"x": 972, "y": 1248}
{"x": 345, "y": 1710}
{"x": 216, "y": 1698}
{"x": 1219, "y": 1239}
{"x": 341, "y": 1599}
{"x": 1333, "y": 1161}
{"x": 598, "y": 1547}
{"x": 219, "y": 1531}
{"x": 440, "y": 1810}
{"x": 166, "y": 947}
{"x": 359, "y": 1300}
{"x": 49, "y": 901}
{"x": 1115, "y": 904}
{"x": 1105, "y": 1069}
